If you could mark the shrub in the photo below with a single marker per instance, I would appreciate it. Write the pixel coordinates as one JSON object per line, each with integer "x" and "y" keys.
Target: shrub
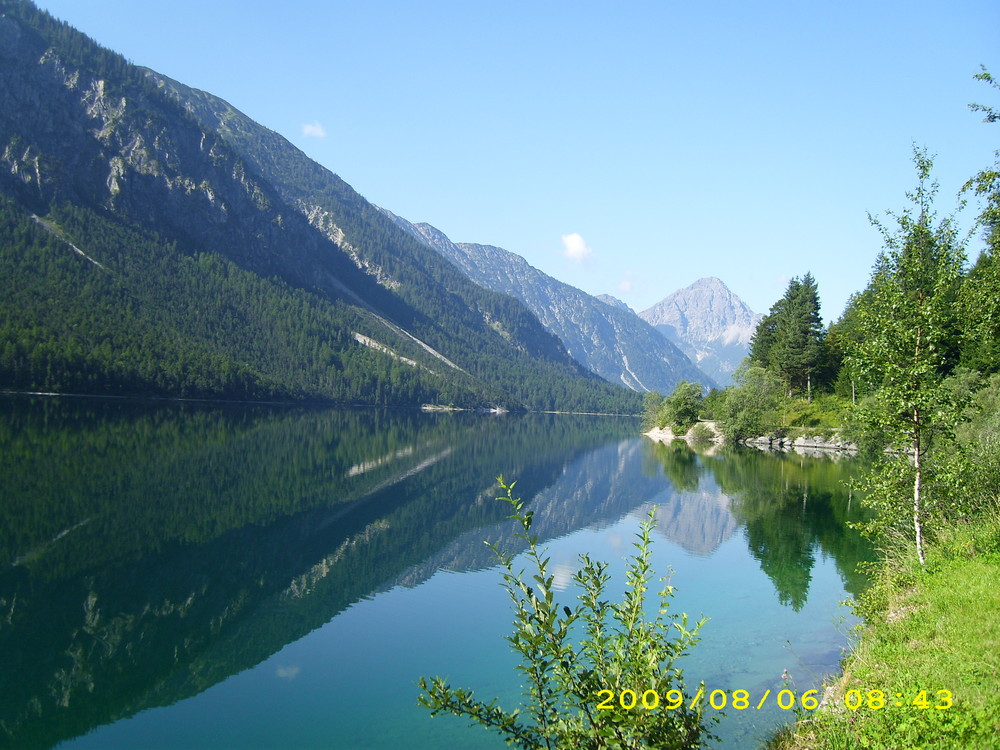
{"x": 702, "y": 432}
{"x": 572, "y": 661}
{"x": 680, "y": 409}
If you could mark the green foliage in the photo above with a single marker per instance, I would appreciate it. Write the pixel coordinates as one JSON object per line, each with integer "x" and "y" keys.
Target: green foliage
{"x": 960, "y": 479}
{"x": 982, "y": 414}
{"x": 789, "y": 339}
{"x": 568, "y": 658}
{"x": 901, "y": 340}
{"x": 908, "y": 315}
{"x": 651, "y": 403}
{"x": 701, "y": 432}
{"x": 927, "y": 630}
{"x": 680, "y": 409}
{"x": 825, "y": 411}
{"x": 979, "y": 298}
{"x": 751, "y": 408}
{"x": 909, "y": 323}
{"x": 711, "y": 404}
{"x": 978, "y": 307}
{"x": 842, "y": 336}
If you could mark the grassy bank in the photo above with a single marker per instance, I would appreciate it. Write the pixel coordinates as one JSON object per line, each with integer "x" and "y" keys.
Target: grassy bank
{"x": 931, "y": 630}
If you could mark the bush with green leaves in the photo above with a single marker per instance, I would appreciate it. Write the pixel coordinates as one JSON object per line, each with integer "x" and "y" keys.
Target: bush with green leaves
{"x": 572, "y": 661}
{"x": 711, "y": 404}
{"x": 679, "y": 410}
{"x": 701, "y": 432}
{"x": 752, "y": 407}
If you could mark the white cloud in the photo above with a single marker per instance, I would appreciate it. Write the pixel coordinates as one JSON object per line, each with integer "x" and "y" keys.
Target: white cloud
{"x": 575, "y": 248}
{"x": 287, "y": 673}
{"x": 313, "y": 130}
{"x": 625, "y": 285}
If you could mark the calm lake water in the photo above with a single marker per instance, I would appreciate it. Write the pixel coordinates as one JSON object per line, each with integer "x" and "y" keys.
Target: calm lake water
{"x": 199, "y": 576}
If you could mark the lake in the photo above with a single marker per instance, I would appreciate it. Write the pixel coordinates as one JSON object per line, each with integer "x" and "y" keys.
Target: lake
{"x": 183, "y": 575}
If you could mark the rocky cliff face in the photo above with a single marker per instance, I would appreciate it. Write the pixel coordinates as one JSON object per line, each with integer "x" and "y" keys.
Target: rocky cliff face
{"x": 608, "y": 299}
{"x": 708, "y": 323}
{"x": 608, "y": 339}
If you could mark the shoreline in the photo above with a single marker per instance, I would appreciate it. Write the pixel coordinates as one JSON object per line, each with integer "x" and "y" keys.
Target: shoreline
{"x": 803, "y": 444}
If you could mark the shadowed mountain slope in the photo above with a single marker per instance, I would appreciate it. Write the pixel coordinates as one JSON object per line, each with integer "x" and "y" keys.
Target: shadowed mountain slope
{"x": 158, "y": 242}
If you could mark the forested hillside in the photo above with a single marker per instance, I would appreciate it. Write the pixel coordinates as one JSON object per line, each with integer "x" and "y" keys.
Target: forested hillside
{"x": 145, "y": 254}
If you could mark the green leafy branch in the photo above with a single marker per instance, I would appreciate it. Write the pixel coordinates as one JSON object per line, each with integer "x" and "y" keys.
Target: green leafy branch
{"x": 569, "y": 660}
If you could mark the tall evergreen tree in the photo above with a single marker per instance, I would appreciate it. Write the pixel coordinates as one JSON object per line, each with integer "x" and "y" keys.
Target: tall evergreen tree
{"x": 789, "y": 340}
{"x": 844, "y": 334}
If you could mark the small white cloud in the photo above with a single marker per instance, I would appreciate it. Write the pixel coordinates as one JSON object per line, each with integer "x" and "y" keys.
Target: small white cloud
{"x": 313, "y": 130}
{"x": 575, "y": 248}
{"x": 288, "y": 673}
{"x": 625, "y": 285}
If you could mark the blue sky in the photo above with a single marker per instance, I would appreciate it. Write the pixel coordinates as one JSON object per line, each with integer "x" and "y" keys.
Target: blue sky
{"x": 627, "y": 148}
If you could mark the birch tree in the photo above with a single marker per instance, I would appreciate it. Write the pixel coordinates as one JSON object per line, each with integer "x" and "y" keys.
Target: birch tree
{"x": 908, "y": 321}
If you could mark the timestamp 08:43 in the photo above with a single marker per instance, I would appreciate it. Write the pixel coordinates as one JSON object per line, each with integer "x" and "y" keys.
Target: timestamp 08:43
{"x": 651, "y": 700}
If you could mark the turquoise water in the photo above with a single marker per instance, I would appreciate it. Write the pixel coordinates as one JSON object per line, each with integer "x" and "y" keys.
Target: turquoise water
{"x": 184, "y": 576}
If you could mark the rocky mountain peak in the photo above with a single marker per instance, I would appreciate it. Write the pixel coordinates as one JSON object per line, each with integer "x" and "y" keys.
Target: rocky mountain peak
{"x": 709, "y": 323}
{"x": 705, "y": 310}
{"x": 602, "y": 334}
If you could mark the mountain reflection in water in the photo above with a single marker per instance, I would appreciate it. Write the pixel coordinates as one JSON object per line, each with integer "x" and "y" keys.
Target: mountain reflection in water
{"x": 153, "y": 551}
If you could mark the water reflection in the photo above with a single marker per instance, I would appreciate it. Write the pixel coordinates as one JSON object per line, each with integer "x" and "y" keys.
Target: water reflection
{"x": 791, "y": 507}
{"x": 152, "y": 551}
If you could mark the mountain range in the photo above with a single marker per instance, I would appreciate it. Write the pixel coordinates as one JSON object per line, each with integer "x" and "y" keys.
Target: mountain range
{"x": 608, "y": 339}
{"x": 157, "y": 241}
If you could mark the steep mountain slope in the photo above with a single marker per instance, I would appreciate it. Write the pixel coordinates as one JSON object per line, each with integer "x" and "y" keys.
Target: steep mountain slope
{"x": 148, "y": 253}
{"x": 709, "y": 323}
{"x": 607, "y": 339}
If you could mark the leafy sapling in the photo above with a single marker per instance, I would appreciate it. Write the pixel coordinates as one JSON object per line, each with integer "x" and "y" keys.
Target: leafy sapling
{"x": 596, "y": 677}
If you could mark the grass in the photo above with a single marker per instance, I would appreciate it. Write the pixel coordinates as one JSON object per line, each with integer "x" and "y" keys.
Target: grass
{"x": 824, "y": 411}
{"x": 932, "y": 630}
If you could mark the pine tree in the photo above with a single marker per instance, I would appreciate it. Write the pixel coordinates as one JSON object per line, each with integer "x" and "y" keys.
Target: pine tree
{"x": 789, "y": 340}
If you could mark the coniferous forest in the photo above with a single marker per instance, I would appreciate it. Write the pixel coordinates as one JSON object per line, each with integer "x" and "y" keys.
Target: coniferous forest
{"x": 143, "y": 255}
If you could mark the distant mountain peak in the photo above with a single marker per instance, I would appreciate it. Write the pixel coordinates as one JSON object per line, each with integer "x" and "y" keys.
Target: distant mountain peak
{"x": 710, "y": 323}
{"x": 602, "y": 334}
{"x": 705, "y": 310}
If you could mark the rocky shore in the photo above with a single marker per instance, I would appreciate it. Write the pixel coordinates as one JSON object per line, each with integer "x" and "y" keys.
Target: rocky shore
{"x": 710, "y": 432}
{"x": 814, "y": 442}
{"x": 803, "y": 444}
